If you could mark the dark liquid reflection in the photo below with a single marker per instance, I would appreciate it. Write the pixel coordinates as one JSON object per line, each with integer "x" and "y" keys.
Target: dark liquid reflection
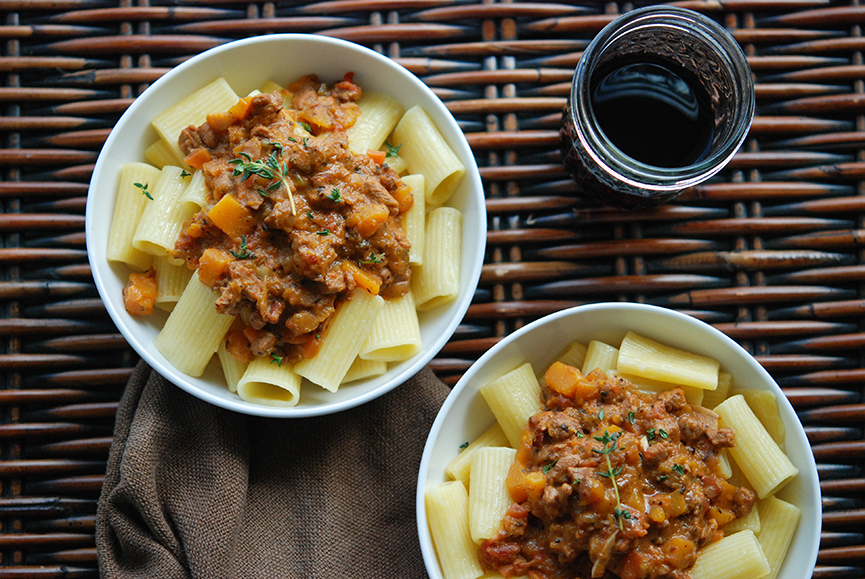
{"x": 653, "y": 115}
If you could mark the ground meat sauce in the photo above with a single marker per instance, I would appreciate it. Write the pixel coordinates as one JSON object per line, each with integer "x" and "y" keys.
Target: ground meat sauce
{"x": 662, "y": 455}
{"x": 307, "y": 222}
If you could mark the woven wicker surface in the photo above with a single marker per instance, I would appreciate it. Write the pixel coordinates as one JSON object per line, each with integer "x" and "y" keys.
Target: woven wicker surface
{"x": 771, "y": 252}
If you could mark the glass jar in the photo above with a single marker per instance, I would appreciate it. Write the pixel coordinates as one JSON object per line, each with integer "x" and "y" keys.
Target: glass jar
{"x": 628, "y": 62}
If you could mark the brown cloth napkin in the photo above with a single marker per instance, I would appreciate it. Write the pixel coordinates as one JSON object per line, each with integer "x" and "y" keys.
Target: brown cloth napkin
{"x": 192, "y": 490}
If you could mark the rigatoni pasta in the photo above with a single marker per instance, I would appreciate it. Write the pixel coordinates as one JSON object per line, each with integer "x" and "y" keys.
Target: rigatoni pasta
{"x": 269, "y": 382}
{"x": 762, "y": 461}
{"x": 427, "y": 153}
{"x": 447, "y": 512}
{"x": 488, "y": 496}
{"x": 513, "y": 398}
{"x": 193, "y": 330}
{"x": 437, "y": 281}
{"x": 137, "y": 181}
{"x": 343, "y": 341}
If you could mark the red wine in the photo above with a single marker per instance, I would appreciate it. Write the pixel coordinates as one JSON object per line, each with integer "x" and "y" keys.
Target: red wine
{"x": 653, "y": 113}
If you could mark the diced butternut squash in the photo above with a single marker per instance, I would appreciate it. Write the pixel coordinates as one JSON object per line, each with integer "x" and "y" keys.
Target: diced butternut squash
{"x": 570, "y": 382}
{"x": 212, "y": 265}
{"x": 231, "y": 217}
{"x": 365, "y": 279}
{"x": 404, "y": 197}
{"x": 368, "y": 219}
{"x": 516, "y": 482}
{"x": 139, "y": 295}
{"x": 198, "y": 158}
{"x": 535, "y": 484}
{"x": 241, "y": 110}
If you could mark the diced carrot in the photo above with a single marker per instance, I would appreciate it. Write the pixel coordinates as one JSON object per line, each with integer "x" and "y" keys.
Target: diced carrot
{"x": 139, "y": 295}
{"x": 516, "y": 482}
{"x": 198, "y": 157}
{"x": 368, "y": 218}
{"x": 231, "y": 217}
{"x": 377, "y": 156}
{"x": 212, "y": 265}
{"x": 404, "y": 197}
{"x": 365, "y": 279}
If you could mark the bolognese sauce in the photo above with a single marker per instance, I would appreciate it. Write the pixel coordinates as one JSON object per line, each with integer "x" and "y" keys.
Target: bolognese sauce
{"x": 293, "y": 220}
{"x": 610, "y": 481}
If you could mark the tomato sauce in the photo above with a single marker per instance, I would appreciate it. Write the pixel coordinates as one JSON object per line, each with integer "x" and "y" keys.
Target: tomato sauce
{"x": 610, "y": 481}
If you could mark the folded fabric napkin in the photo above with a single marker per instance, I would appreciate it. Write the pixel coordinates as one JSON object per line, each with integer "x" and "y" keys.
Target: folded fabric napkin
{"x": 192, "y": 490}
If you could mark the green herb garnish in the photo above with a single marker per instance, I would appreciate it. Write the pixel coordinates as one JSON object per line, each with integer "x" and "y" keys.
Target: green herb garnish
{"x": 547, "y": 467}
{"x": 244, "y": 252}
{"x": 144, "y": 187}
{"x": 376, "y": 258}
{"x": 391, "y": 150}
{"x": 678, "y": 469}
{"x": 270, "y": 169}
{"x": 184, "y": 173}
{"x": 276, "y": 359}
{"x": 610, "y": 444}
{"x": 334, "y": 196}
{"x": 631, "y": 417}
{"x": 464, "y": 445}
{"x": 323, "y": 232}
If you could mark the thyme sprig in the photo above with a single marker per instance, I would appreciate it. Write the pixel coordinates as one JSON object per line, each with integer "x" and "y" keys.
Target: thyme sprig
{"x": 244, "y": 252}
{"x": 392, "y": 151}
{"x": 143, "y": 187}
{"x": 611, "y": 443}
{"x": 270, "y": 169}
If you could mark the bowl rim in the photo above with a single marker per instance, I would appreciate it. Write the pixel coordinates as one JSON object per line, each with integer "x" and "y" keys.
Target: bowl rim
{"x": 810, "y": 490}
{"x": 473, "y": 256}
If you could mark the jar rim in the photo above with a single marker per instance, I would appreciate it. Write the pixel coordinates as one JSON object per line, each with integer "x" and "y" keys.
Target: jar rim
{"x": 625, "y": 168}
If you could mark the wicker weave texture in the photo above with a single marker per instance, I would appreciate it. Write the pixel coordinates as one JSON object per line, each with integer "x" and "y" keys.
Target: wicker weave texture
{"x": 770, "y": 252}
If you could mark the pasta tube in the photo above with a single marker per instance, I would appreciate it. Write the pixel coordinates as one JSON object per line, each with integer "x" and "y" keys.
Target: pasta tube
{"x": 513, "y": 398}
{"x": 447, "y": 512}
{"x": 193, "y": 330}
{"x": 137, "y": 181}
{"x": 762, "y": 462}
{"x": 640, "y": 356}
{"x": 489, "y": 497}
{"x": 426, "y": 152}
{"x": 437, "y": 281}
{"x": 348, "y": 330}
{"x": 270, "y": 383}
{"x": 736, "y": 556}
{"x": 460, "y": 467}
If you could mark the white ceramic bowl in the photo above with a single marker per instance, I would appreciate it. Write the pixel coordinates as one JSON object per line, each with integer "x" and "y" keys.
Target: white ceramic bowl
{"x": 465, "y": 414}
{"x": 246, "y": 65}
